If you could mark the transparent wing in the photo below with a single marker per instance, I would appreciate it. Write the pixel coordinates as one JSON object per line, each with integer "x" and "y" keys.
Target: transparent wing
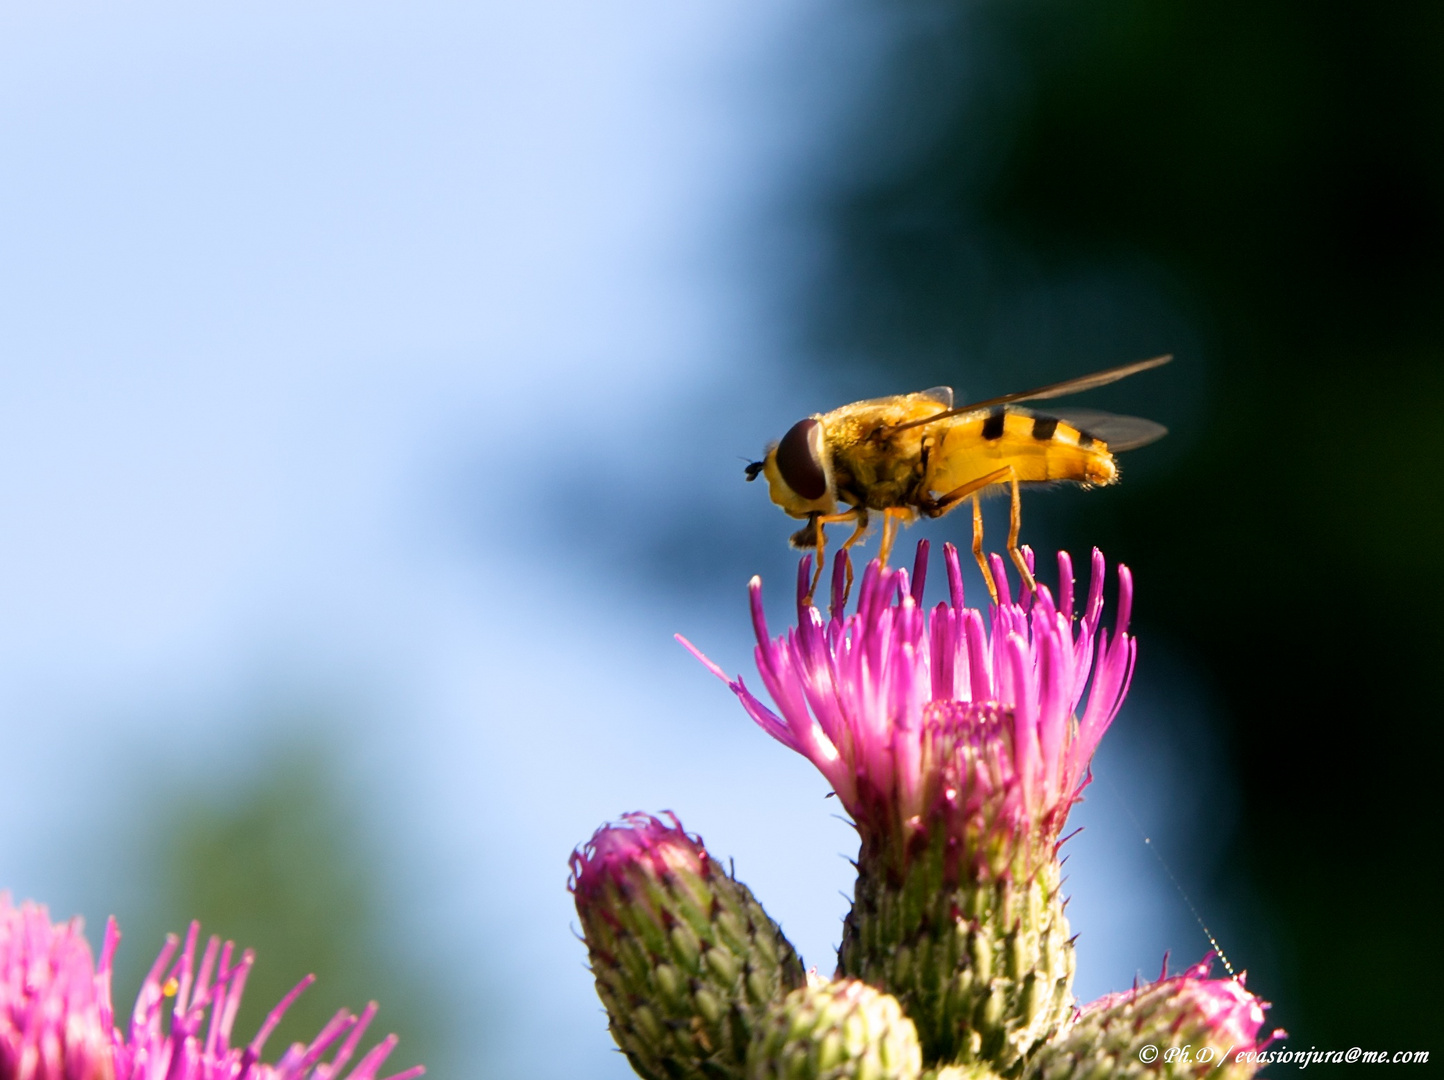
{"x": 1055, "y": 390}
{"x": 1119, "y": 432}
{"x": 1073, "y": 386}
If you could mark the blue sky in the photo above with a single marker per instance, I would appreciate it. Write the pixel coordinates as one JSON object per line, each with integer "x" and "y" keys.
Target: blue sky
{"x": 329, "y": 335}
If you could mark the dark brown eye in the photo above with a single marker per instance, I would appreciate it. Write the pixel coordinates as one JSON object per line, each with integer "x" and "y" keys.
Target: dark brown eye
{"x": 798, "y": 463}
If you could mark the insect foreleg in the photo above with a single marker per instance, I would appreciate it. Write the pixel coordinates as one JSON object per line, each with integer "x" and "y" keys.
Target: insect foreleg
{"x": 821, "y": 558}
{"x": 816, "y": 523}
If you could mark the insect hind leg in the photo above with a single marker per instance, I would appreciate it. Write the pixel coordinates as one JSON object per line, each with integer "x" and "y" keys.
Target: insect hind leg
{"x": 978, "y": 549}
{"x": 936, "y": 508}
{"x": 1015, "y": 525}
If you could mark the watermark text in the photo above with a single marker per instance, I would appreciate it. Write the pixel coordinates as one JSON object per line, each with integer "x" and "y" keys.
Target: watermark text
{"x": 1283, "y": 1055}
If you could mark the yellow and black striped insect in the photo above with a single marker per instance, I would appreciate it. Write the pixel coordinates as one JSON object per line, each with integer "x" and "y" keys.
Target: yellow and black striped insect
{"x": 917, "y": 454}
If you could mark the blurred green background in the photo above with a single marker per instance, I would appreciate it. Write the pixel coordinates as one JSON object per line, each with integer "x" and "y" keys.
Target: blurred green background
{"x": 1046, "y": 188}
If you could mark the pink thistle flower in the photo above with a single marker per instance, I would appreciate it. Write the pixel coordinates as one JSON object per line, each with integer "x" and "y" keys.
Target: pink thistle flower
{"x": 57, "y": 1021}
{"x": 946, "y": 718}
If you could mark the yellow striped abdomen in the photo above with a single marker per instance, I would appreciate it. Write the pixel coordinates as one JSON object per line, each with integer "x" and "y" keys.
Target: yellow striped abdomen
{"x": 1039, "y": 448}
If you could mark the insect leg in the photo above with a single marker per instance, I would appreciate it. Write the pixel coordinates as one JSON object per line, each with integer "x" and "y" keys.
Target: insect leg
{"x": 818, "y": 521}
{"x": 938, "y": 507}
{"x": 821, "y": 559}
{"x": 858, "y": 530}
{"x": 889, "y": 533}
{"x": 860, "y": 516}
{"x": 978, "y": 549}
{"x": 1015, "y": 523}
{"x": 950, "y": 501}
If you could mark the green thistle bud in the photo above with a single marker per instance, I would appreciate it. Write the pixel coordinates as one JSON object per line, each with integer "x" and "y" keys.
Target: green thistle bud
{"x": 1185, "y": 1026}
{"x": 685, "y": 959}
{"x": 842, "y": 1030}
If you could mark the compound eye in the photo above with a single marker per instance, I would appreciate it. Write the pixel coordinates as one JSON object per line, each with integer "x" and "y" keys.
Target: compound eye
{"x": 799, "y": 462}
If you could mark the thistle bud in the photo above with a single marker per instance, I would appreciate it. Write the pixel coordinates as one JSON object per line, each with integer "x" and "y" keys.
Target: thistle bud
{"x": 685, "y": 959}
{"x": 843, "y": 1030}
{"x": 1187, "y": 1025}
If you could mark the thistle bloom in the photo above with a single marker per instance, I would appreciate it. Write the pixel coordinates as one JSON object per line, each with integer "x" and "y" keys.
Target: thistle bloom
{"x": 57, "y": 1021}
{"x": 950, "y": 717}
{"x": 958, "y": 742}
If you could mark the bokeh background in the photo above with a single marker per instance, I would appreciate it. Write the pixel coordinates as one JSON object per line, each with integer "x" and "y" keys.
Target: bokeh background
{"x": 374, "y": 390}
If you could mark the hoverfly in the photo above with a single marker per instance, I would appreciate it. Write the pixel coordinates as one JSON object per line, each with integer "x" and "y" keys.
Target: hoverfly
{"x": 917, "y": 454}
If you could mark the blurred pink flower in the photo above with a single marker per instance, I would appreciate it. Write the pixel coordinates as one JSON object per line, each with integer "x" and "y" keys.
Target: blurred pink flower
{"x": 57, "y": 1021}
{"x": 51, "y": 1025}
{"x": 947, "y": 718}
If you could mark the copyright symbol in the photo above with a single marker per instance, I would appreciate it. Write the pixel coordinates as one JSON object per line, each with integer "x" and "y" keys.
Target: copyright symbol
{"x": 1353, "y": 1054}
{"x": 1148, "y": 1054}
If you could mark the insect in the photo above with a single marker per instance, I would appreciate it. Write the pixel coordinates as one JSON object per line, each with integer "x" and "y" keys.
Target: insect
{"x": 917, "y": 454}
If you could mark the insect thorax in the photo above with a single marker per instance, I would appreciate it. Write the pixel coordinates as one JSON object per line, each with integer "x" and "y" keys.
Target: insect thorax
{"x": 880, "y": 473}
